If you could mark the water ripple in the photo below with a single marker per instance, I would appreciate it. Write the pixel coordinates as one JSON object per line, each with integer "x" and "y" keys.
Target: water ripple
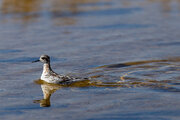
{"x": 27, "y": 59}
{"x": 5, "y": 51}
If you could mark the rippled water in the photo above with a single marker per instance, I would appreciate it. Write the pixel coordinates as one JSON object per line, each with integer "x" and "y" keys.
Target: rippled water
{"x": 128, "y": 48}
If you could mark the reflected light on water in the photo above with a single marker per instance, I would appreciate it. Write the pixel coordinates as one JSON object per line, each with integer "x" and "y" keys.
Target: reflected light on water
{"x": 23, "y": 10}
{"x": 61, "y": 12}
{"x": 30, "y": 10}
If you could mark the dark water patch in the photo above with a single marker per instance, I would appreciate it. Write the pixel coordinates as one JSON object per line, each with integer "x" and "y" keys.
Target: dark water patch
{"x": 29, "y": 59}
{"x": 96, "y": 4}
{"x": 21, "y": 107}
{"x": 119, "y": 65}
{"x": 54, "y": 14}
{"x": 18, "y": 110}
{"x": 155, "y": 112}
{"x": 169, "y": 44}
{"x": 5, "y": 51}
{"x": 127, "y": 117}
{"x": 106, "y": 12}
{"x": 169, "y": 89}
{"x": 7, "y": 112}
{"x": 22, "y": 59}
{"x": 92, "y": 66}
{"x": 110, "y": 12}
{"x": 141, "y": 115}
{"x": 175, "y": 83}
{"x": 22, "y": 14}
{"x": 119, "y": 26}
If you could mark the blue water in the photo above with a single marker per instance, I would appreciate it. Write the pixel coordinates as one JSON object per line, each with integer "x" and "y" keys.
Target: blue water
{"x": 130, "y": 49}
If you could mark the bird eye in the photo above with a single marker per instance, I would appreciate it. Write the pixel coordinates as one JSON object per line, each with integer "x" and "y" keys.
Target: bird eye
{"x": 43, "y": 58}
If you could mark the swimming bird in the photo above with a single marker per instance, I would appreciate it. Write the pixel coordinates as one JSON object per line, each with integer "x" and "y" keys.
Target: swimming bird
{"x": 50, "y": 76}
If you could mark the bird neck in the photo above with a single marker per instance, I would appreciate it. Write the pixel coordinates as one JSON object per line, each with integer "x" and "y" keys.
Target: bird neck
{"x": 46, "y": 68}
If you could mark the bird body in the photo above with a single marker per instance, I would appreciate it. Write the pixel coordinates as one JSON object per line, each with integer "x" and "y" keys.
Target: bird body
{"x": 50, "y": 76}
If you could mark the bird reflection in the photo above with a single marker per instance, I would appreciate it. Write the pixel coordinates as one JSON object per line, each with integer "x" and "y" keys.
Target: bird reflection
{"x": 47, "y": 89}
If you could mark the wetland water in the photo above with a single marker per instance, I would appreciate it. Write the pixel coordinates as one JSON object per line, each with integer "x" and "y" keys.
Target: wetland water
{"x": 129, "y": 48}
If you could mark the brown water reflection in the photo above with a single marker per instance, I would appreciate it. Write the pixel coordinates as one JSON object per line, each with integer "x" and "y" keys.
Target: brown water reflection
{"x": 61, "y": 11}
{"x": 20, "y": 6}
{"x": 23, "y": 10}
{"x": 30, "y": 10}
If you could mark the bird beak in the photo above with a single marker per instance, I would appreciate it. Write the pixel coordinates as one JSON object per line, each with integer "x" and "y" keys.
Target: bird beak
{"x": 35, "y": 61}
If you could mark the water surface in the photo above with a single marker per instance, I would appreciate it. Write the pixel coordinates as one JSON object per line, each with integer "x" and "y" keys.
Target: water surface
{"x": 128, "y": 48}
